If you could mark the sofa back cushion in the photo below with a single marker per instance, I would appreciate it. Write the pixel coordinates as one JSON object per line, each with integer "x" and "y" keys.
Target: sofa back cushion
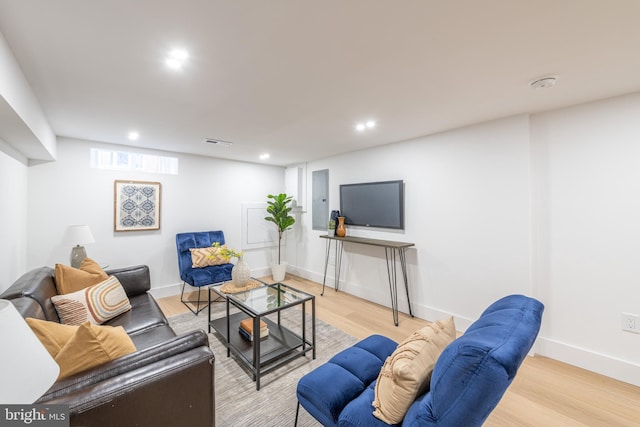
{"x": 474, "y": 371}
{"x": 135, "y": 280}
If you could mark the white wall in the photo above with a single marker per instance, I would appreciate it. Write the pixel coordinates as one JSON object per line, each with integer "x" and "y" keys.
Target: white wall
{"x": 547, "y": 205}
{"x": 13, "y": 220}
{"x": 206, "y": 195}
{"x": 467, "y": 211}
{"x": 586, "y": 162}
{"x": 26, "y": 135}
{"x": 24, "y": 125}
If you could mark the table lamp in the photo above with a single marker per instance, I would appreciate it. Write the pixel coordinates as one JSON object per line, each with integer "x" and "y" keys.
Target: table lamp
{"x": 27, "y": 370}
{"x": 78, "y": 235}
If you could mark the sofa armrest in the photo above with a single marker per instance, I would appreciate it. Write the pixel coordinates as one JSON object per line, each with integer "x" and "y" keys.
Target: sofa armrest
{"x": 135, "y": 280}
{"x": 178, "y": 390}
{"x": 37, "y": 284}
{"x": 28, "y": 307}
{"x": 125, "y": 364}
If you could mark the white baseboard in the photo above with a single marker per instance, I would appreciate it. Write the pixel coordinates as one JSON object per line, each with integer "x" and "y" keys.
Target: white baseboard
{"x": 603, "y": 364}
{"x": 176, "y": 289}
{"x": 618, "y": 369}
{"x": 309, "y": 275}
{"x": 382, "y": 297}
{"x": 600, "y": 363}
{"x": 168, "y": 290}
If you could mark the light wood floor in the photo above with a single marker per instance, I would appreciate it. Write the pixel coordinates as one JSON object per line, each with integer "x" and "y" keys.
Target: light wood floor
{"x": 545, "y": 393}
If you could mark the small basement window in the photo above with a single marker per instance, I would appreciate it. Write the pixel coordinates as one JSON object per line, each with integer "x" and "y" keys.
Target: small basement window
{"x": 125, "y": 160}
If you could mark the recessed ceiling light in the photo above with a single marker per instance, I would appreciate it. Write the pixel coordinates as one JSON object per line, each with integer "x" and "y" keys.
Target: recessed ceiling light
{"x": 133, "y": 136}
{"x": 176, "y": 58}
{"x": 264, "y": 156}
{"x": 179, "y": 54}
{"x": 173, "y": 63}
{"x": 369, "y": 124}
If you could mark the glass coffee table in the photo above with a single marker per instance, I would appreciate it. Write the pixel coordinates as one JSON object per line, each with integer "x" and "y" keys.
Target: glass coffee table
{"x": 282, "y": 344}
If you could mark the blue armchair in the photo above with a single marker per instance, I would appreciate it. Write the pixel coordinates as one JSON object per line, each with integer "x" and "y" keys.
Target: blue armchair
{"x": 203, "y": 276}
{"x": 469, "y": 378}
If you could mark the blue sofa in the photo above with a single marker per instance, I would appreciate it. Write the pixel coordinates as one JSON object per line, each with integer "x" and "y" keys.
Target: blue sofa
{"x": 199, "y": 277}
{"x": 468, "y": 380}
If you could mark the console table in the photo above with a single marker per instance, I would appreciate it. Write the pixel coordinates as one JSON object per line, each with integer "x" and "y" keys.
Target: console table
{"x": 391, "y": 248}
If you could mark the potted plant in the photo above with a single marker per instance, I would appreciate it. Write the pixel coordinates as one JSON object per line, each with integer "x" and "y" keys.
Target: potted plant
{"x": 278, "y": 210}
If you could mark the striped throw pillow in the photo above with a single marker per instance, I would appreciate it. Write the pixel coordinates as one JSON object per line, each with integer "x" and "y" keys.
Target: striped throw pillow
{"x": 97, "y": 303}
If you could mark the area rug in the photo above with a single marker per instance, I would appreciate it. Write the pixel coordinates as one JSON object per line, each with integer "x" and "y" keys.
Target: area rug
{"x": 237, "y": 401}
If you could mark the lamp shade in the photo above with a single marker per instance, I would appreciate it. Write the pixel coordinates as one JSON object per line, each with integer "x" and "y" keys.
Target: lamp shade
{"x": 78, "y": 235}
{"x": 27, "y": 370}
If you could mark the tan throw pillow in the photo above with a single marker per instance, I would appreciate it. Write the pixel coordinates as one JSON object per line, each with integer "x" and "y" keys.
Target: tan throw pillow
{"x": 93, "y": 345}
{"x": 406, "y": 374}
{"x": 97, "y": 303}
{"x": 204, "y": 257}
{"x": 52, "y": 335}
{"x": 69, "y": 279}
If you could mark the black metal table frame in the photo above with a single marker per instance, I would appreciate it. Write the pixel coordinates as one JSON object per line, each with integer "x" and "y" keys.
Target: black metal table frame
{"x": 390, "y": 250}
{"x": 255, "y": 366}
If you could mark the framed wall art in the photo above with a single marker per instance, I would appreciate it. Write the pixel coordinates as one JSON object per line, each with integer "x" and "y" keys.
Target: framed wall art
{"x": 136, "y": 205}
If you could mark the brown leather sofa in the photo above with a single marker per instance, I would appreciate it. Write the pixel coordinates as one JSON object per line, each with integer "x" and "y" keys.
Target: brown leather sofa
{"x": 168, "y": 381}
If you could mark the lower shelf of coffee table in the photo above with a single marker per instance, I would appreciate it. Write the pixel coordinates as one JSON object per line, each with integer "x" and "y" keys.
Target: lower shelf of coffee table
{"x": 279, "y": 343}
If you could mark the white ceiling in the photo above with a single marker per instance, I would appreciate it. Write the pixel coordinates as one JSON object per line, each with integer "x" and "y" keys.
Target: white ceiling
{"x": 293, "y": 77}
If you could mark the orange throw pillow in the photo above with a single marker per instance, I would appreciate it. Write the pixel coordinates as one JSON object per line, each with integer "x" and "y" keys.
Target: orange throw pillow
{"x": 52, "y": 335}
{"x": 92, "y": 345}
{"x": 69, "y": 279}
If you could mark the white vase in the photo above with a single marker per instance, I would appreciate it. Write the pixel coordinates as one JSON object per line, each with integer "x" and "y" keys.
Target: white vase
{"x": 240, "y": 273}
{"x": 279, "y": 271}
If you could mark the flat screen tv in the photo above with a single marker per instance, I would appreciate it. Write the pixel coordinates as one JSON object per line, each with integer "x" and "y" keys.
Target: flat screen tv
{"x": 373, "y": 204}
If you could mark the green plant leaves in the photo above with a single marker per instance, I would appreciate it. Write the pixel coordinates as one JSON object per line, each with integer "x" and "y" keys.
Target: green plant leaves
{"x": 278, "y": 207}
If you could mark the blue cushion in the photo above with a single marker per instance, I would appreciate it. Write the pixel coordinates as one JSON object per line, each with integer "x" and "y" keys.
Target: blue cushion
{"x": 468, "y": 380}
{"x": 325, "y": 391}
{"x": 473, "y": 372}
{"x": 380, "y": 346}
{"x": 208, "y": 275}
{"x": 200, "y": 276}
{"x": 359, "y": 412}
{"x": 359, "y": 363}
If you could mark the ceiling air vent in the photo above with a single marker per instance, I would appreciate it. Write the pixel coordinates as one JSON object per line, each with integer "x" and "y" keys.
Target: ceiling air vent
{"x": 218, "y": 142}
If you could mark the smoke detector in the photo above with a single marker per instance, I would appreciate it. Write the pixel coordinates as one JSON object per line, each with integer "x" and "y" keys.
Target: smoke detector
{"x": 543, "y": 83}
{"x": 218, "y": 142}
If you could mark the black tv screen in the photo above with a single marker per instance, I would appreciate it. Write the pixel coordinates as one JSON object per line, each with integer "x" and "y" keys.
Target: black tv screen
{"x": 373, "y": 204}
